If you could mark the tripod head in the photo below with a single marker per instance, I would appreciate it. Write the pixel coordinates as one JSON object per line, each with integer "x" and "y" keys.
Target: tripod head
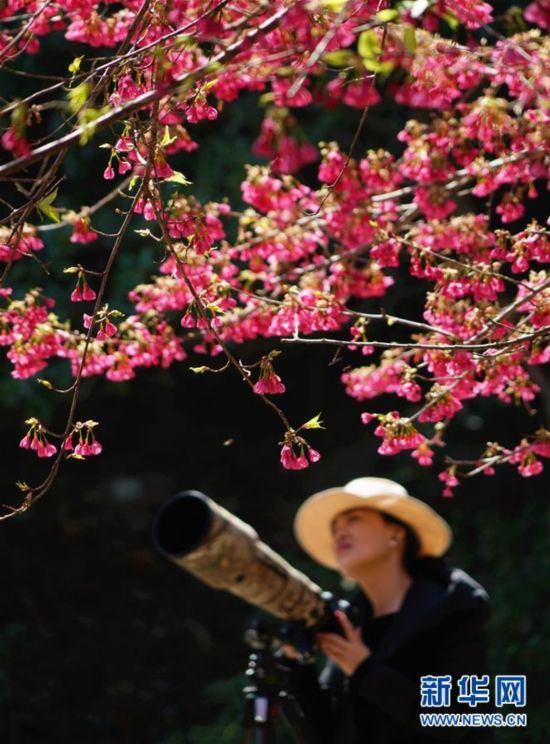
{"x": 265, "y": 635}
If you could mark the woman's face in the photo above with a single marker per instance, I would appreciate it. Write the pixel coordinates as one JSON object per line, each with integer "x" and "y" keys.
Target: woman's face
{"x": 361, "y": 538}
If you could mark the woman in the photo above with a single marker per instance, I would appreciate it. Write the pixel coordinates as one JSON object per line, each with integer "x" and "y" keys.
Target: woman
{"x": 415, "y": 617}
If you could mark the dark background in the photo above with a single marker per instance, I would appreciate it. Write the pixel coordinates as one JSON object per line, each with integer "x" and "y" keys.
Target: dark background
{"x": 103, "y": 641}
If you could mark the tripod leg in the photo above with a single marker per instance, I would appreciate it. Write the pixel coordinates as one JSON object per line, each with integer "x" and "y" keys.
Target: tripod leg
{"x": 296, "y": 719}
{"x": 259, "y": 713}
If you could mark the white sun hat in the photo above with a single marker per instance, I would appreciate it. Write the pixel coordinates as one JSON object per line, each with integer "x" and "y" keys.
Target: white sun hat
{"x": 312, "y": 524}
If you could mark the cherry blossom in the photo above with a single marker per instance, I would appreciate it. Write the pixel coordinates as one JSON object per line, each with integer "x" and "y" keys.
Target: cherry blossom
{"x": 324, "y": 234}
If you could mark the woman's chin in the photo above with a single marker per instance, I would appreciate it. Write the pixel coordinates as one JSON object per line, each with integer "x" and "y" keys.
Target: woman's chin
{"x": 355, "y": 566}
{"x": 351, "y": 568}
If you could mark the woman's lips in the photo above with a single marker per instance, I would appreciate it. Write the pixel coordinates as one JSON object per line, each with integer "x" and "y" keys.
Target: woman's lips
{"x": 341, "y": 547}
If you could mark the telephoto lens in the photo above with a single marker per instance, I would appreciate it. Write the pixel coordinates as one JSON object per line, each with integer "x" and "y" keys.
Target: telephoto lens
{"x": 224, "y": 552}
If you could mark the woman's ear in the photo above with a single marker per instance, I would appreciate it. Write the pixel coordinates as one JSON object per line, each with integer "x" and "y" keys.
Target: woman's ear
{"x": 398, "y": 535}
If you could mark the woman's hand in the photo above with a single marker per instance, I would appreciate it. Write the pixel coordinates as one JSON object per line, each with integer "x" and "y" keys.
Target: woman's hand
{"x": 290, "y": 652}
{"x": 348, "y": 652}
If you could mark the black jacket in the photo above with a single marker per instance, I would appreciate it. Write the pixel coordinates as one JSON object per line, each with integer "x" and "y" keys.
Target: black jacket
{"x": 438, "y": 630}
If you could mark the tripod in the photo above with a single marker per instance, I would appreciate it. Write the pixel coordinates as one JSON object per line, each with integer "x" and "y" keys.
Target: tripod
{"x": 267, "y": 693}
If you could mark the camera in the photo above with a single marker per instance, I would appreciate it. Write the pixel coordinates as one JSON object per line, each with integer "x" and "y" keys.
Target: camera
{"x": 224, "y": 552}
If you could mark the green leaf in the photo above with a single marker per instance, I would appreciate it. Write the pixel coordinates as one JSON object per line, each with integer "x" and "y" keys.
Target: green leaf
{"x": 409, "y": 38}
{"x": 19, "y": 118}
{"x": 387, "y": 15}
{"x": 74, "y": 67}
{"x": 178, "y": 177}
{"x": 167, "y": 140}
{"x": 78, "y": 97}
{"x": 451, "y": 20}
{"x": 334, "y": 5}
{"x": 45, "y": 209}
{"x": 49, "y": 212}
{"x": 514, "y": 18}
{"x": 49, "y": 199}
{"x": 199, "y": 370}
{"x": 212, "y": 67}
{"x": 314, "y": 423}
{"x": 368, "y": 45}
{"x": 339, "y": 58}
{"x": 87, "y": 119}
{"x": 46, "y": 383}
{"x": 374, "y": 65}
{"x": 286, "y": 71}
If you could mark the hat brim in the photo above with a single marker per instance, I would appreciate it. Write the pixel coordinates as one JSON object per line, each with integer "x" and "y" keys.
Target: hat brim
{"x": 313, "y": 521}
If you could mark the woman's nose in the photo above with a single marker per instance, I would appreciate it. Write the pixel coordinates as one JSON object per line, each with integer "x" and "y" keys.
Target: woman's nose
{"x": 339, "y": 530}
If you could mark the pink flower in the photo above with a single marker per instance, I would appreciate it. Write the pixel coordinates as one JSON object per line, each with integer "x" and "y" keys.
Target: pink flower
{"x": 366, "y": 418}
{"x": 76, "y": 296}
{"x": 360, "y": 93}
{"x": 444, "y": 408}
{"x": 281, "y": 86}
{"x": 15, "y": 142}
{"x": 82, "y": 232}
{"x": 434, "y": 203}
{"x": 510, "y": 210}
{"x": 87, "y": 443}
{"x": 199, "y": 109}
{"x": 423, "y": 455}
{"x": 398, "y": 434}
{"x": 538, "y": 12}
{"x": 46, "y": 449}
{"x": 107, "y": 331}
{"x": 88, "y": 293}
{"x": 109, "y": 173}
{"x": 124, "y": 166}
{"x": 291, "y": 461}
{"x": 313, "y": 455}
{"x": 95, "y": 448}
{"x": 269, "y": 383}
{"x": 542, "y": 446}
{"x": 149, "y": 211}
{"x": 450, "y": 480}
{"x": 388, "y": 447}
{"x": 530, "y": 466}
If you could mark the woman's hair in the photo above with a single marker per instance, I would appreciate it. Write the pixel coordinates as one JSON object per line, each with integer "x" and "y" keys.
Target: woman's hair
{"x": 412, "y": 543}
